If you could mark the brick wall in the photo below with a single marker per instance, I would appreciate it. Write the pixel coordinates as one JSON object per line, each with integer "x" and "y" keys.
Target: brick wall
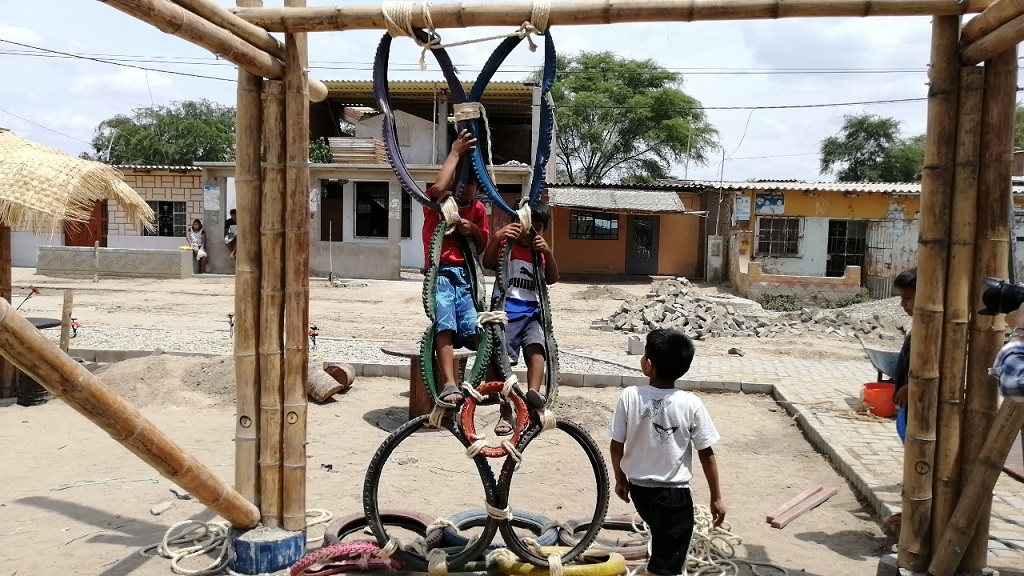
{"x": 158, "y": 185}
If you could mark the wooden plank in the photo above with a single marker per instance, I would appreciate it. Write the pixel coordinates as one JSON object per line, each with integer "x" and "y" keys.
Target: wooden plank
{"x": 794, "y": 513}
{"x": 794, "y": 501}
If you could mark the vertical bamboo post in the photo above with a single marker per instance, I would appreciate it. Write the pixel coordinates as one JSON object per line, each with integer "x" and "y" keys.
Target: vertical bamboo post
{"x": 7, "y": 387}
{"x": 65, "y": 320}
{"x": 958, "y": 299}
{"x": 248, "y": 140}
{"x": 992, "y": 258}
{"x": 296, "y": 240}
{"x": 926, "y": 345}
{"x": 271, "y": 342}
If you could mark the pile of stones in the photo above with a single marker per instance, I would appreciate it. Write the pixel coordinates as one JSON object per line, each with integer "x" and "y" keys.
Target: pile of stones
{"x": 676, "y": 304}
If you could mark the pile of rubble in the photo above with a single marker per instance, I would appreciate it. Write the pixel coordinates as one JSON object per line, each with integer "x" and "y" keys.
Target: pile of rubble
{"x": 677, "y": 304}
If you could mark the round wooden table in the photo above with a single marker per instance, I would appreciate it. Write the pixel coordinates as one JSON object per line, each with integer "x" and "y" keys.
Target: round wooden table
{"x": 420, "y": 402}
{"x": 44, "y": 323}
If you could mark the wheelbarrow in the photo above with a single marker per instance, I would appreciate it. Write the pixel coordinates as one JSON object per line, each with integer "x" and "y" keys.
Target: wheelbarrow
{"x": 884, "y": 361}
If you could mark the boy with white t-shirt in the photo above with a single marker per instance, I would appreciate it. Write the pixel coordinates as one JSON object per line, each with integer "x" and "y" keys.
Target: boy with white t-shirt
{"x": 653, "y": 431}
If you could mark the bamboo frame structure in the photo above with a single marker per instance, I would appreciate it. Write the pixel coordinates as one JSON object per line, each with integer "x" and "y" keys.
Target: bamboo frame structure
{"x": 248, "y": 278}
{"x": 173, "y": 19}
{"x": 271, "y": 342}
{"x": 579, "y": 12}
{"x": 219, "y": 16}
{"x": 296, "y": 279}
{"x": 958, "y": 299}
{"x": 999, "y": 40}
{"x": 7, "y": 387}
{"x": 933, "y": 248}
{"x": 992, "y": 250}
{"x": 998, "y": 13}
{"x": 41, "y": 359}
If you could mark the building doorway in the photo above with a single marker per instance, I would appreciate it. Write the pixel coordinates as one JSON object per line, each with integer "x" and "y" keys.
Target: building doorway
{"x": 642, "y": 244}
{"x": 88, "y": 233}
{"x": 847, "y": 241}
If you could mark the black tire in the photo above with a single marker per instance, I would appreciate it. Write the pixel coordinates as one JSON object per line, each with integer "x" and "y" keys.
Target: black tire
{"x": 412, "y": 561}
{"x": 539, "y": 525}
{"x": 576, "y": 432}
{"x": 567, "y": 537}
{"x": 407, "y": 519}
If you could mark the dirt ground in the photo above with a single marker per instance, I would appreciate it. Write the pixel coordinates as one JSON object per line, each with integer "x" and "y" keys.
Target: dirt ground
{"x": 76, "y": 503}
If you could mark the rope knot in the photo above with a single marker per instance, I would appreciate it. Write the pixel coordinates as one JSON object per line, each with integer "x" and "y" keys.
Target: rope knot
{"x": 491, "y": 317}
{"x": 498, "y": 513}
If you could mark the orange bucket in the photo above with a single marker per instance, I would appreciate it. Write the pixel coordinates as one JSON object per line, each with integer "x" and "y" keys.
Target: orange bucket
{"x": 878, "y": 395}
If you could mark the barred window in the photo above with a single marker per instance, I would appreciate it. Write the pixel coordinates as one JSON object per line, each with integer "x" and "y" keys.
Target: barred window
{"x": 778, "y": 236}
{"x": 372, "y": 211}
{"x": 593, "y": 226}
{"x": 171, "y": 219}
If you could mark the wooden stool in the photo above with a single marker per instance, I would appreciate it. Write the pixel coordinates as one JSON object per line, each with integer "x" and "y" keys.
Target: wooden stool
{"x": 420, "y": 402}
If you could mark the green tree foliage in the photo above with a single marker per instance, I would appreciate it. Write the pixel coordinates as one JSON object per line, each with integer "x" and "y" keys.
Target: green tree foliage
{"x": 870, "y": 148}
{"x": 1018, "y": 129}
{"x": 623, "y": 120}
{"x": 178, "y": 135}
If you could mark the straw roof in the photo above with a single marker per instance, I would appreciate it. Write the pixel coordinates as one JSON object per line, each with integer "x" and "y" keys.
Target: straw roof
{"x": 41, "y": 187}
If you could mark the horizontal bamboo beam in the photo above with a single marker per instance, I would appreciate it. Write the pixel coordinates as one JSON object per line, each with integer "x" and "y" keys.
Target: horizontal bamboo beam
{"x": 999, "y": 13}
{"x": 578, "y": 12}
{"x": 175, "y": 20}
{"x": 41, "y": 359}
{"x": 999, "y": 40}
{"x": 220, "y": 16}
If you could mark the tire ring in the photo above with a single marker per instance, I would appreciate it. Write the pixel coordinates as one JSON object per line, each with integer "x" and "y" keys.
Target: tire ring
{"x": 575, "y": 431}
{"x": 411, "y": 561}
{"x": 539, "y": 525}
{"x": 567, "y": 537}
{"x": 347, "y": 554}
{"x": 595, "y": 562}
{"x": 522, "y": 413}
{"x": 409, "y": 520}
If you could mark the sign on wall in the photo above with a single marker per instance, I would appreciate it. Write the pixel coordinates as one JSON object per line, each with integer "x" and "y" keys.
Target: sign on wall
{"x": 742, "y": 208}
{"x": 211, "y": 198}
{"x": 770, "y": 203}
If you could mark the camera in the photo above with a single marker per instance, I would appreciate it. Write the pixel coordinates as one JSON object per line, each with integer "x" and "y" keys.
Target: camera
{"x": 1001, "y": 297}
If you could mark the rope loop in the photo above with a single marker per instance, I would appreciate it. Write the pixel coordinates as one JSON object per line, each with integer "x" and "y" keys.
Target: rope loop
{"x": 548, "y": 420}
{"x": 513, "y": 453}
{"x": 437, "y": 562}
{"x": 476, "y": 447}
{"x": 510, "y": 385}
{"x": 498, "y": 513}
{"x": 525, "y": 214}
{"x": 450, "y": 211}
{"x": 390, "y": 548}
{"x": 491, "y": 317}
{"x": 436, "y": 418}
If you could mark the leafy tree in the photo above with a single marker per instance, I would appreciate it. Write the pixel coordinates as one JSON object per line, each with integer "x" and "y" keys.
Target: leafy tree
{"x": 624, "y": 120}
{"x": 1018, "y": 129}
{"x": 179, "y": 134}
{"x": 870, "y": 148}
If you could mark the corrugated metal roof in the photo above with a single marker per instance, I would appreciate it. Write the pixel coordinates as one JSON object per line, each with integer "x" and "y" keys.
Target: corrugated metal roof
{"x": 141, "y": 167}
{"x": 899, "y": 188}
{"x": 616, "y": 199}
{"x": 515, "y": 91}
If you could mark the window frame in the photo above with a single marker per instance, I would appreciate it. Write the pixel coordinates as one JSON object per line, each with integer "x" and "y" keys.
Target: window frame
{"x": 405, "y": 224}
{"x": 795, "y": 241}
{"x": 578, "y": 222}
{"x": 183, "y": 213}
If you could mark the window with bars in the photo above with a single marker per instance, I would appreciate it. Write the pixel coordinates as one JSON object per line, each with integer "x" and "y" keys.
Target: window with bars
{"x": 593, "y": 226}
{"x": 778, "y": 236}
{"x": 171, "y": 219}
{"x": 847, "y": 243}
{"x": 372, "y": 211}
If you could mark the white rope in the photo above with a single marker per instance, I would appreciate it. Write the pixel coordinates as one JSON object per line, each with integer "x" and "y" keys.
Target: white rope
{"x": 498, "y": 513}
{"x": 525, "y": 214}
{"x": 441, "y": 523}
{"x": 363, "y": 562}
{"x": 641, "y": 529}
{"x": 491, "y": 317}
{"x": 476, "y": 447}
{"x": 469, "y": 111}
{"x": 450, "y": 210}
{"x": 554, "y": 559}
{"x": 436, "y": 417}
{"x": 437, "y": 562}
{"x": 497, "y": 554}
{"x": 314, "y": 517}
{"x": 548, "y": 420}
{"x": 540, "y": 10}
{"x": 513, "y": 453}
{"x": 510, "y": 385}
{"x": 390, "y": 548}
{"x": 473, "y": 393}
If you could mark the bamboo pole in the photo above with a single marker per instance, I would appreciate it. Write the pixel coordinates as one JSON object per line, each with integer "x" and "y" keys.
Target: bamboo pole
{"x": 65, "y": 320}
{"x": 219, "y": 16}
{"x": 578, "y": 12}
{"x": 175, "y": 20}
{"x": 933, "y": 248}
{"x": 999, "y": 40}
{"x": 992, "y": 249}
{"x": 986, "y": 468}
{"x": 958, "y": 299}
{"x": 998, "y": 13}
{"x": 271, "y": 343}
{"x": 296, "y": 281}
{"x": 41, "y": 359}
{"x": 7, "y": 386}
{"x": 248, "y": 278}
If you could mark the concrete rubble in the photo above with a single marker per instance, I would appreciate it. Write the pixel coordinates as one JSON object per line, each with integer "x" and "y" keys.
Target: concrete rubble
{"x": 676, "y": 304}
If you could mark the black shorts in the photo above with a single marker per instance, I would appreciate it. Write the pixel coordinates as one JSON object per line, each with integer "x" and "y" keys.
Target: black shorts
{"x": 668, "y": 513}
{"x": 520, "y": 333}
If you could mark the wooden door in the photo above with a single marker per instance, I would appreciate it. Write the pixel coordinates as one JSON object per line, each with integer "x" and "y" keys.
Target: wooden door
{"x": 642, "y": 245}
{"x": 88, "y": 233}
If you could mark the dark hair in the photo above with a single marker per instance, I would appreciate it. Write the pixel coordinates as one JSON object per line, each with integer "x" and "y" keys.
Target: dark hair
{"x": 540, "y": 214}
{"x": 671, "y": 353}
{"x": 232, "y": 211}
{"x": 197, "y": 221}
{"x": 907, "y": 280}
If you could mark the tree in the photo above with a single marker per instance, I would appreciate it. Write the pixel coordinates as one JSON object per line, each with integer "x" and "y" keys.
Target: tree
{"x": 870, "y": 148}
{"x": 624, "y": 120}
{"x": 177, "y": 135}
{"x": 1018, "y": 128}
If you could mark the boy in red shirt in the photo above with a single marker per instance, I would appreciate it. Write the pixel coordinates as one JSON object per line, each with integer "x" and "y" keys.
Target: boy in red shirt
{"x": 522, "y": 304}
{"x": 455, "y": 311}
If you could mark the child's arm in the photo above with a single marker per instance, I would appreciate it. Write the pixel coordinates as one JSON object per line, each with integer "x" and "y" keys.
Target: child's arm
{"x": 550, "y": 265}
{"x": 710, "y": 465}
{"x": 468, "y": 228}
{"x": 509, "y": 232}
{"x": 621, "y": 482}
{"x": 445, "y": 179}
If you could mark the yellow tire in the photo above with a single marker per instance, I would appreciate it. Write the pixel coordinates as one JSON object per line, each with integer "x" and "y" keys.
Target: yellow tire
{"x": 593, "y": 562}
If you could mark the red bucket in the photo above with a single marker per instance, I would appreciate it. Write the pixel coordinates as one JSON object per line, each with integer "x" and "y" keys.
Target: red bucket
{"x": 878, "y": 395}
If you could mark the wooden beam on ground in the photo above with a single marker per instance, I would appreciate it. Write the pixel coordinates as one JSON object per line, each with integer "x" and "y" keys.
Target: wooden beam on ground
{"x": 999, "y": 40}
{"x": 933, "y": 253}
{"x": 34, "y": 354}
{"x": 579, "y": 12}
{"x": 801, "y": 497}
{"x": 999, "y": 13}
{"x": 815, "y": 499}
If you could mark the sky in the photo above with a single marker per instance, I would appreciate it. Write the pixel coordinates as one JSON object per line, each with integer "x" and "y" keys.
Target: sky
{"x": 59, "y": 100}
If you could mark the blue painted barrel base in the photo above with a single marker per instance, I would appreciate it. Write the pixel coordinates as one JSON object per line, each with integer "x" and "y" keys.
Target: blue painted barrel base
{"x": 265, "y": 550}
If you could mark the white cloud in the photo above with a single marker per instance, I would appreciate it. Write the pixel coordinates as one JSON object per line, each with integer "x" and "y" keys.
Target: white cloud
{"x": 18, "y": 34}
{"x": 125, "y": 81}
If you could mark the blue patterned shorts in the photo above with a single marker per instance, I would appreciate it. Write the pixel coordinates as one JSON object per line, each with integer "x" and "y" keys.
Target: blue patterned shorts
{"x": 454, "y": 308}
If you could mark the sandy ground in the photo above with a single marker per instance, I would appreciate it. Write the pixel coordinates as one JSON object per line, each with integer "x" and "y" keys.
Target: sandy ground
{"x": 77, "y": 503}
